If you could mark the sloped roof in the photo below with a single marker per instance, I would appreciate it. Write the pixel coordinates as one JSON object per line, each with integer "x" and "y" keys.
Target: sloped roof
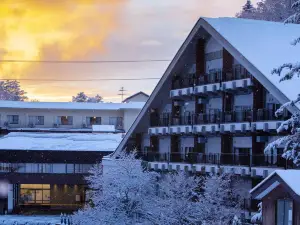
{"x": 136, "y": 94}
{"x": 60, "y": 141}
{"x": 290, "y": 177}
{"x": 71, "y": 105}
{"x": 266, "y": 45}
{"x": 259, "y": 46}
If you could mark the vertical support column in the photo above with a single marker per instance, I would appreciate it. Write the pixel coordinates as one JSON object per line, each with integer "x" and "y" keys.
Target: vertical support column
{"x": 227, "y": 156}
{"x": 227, "y": 64}
{"x": 200, "y": 106}
{"x": 138, "y": 141}
{"x": 200, "y": 58}
{"x": 259, "y": 98}
{"x": 10, "y": 198}
{"x": 257, "y": 151}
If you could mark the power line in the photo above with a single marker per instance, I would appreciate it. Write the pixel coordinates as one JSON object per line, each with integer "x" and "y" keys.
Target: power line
{"x": 100, "y": 79}
{"x": 83, "y": 61}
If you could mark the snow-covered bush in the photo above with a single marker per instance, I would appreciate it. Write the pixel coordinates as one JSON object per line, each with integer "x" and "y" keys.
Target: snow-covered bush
{"x": 129, "y": 194}
{"x": 257, "y": 218}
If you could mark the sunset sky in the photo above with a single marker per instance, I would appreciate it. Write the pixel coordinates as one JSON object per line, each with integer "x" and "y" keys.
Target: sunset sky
{"x": 96, "y": 30}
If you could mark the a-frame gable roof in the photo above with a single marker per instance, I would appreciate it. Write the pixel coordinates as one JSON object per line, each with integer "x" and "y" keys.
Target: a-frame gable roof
{"x": 259, "y": 46}
{"x": 289, "y": 179}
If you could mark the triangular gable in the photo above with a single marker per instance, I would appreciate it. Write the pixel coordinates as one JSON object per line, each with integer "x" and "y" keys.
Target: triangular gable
{"x": 205, "y": 23}
{"x": 276, "y": 179}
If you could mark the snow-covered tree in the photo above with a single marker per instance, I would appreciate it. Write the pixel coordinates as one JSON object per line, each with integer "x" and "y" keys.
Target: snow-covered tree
{"x": 292, "y": 125}
{"x": 123, "y": 195}
{"x": 80, "y": 97}
{"x": 186, "y": 199}
{"x": 129, "y": 194}
{"x": 95, "y": 99}
{"x": 269, "y": 10}
{"x": 257, "y": 218}
{"x": 11, "y": 90}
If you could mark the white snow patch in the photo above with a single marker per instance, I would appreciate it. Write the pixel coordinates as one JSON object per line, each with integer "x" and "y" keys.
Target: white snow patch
{"x": 60, "y": 141}
{"x": 104, "y": 128}
{"x": 267, "y": 45}
{"x": 29, "y": 220}
{"x": 71, "y": 105}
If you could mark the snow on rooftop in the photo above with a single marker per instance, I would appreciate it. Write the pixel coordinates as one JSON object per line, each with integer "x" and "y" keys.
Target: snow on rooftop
{"x": 267, "y": 45}
{"x": 60, "y": 141}
{"x": 71, "y": 105}
{"x": 290, "y": 177}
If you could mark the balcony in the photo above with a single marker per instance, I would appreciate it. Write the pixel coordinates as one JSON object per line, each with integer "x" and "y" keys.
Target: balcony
{"x": 183, "y": 82}
{"x": 220, "y": 159}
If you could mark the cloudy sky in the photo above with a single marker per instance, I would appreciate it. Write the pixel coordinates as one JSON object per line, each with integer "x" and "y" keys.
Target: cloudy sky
{"x": 96, "y": 30}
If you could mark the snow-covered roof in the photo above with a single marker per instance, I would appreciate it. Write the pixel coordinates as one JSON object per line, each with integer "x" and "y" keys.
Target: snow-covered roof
{"x": 266, "y": 45}
{"x": 71, "y": 105}
{"x": 259, "y": 46}
{"x": 290, "y": 177}
{"x": 60, "y": 141}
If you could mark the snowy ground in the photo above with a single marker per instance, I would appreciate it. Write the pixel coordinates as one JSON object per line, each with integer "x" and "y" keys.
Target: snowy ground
{"x": 29, "y": 220}
{"x": 60, "y": 141}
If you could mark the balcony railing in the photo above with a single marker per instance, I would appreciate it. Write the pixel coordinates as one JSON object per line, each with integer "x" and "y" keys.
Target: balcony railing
{"x": 183, "y": 82}
{"x": 217, "y": 117}
{"x": 232, "y": 159}
{"x": 237, "y": 72}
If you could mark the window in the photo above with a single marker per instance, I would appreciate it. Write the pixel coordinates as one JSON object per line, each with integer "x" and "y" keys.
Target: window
{"x": 13, "y": 119}
{"x": 36, "y": 120}
{"x": 284, "y": 212}
{"x": 93, "y": 121}
{"x": 116, "y": 121}
{"x": 35, "y": 194}
{"x": 65, "y": 120}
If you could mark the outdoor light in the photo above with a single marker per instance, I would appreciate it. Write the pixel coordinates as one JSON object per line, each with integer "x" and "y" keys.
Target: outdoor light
{"x": 3, "y": 189}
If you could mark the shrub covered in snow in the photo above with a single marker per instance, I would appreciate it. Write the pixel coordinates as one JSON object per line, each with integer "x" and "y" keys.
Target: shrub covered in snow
{"x": 130, "y": 194}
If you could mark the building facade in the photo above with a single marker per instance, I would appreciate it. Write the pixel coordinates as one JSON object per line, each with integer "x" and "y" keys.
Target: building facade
{"x": 214, "y": 108}
{"x": 67, "y": 115}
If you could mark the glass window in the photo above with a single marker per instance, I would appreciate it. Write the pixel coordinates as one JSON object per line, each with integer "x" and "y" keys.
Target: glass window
{"x": 70, "y": 168}
{"x": 65, "y": 120}
{"x": 13, "y": 119}
{"x": 284, "y": 212}
{"x": 59, "y": 168}
{"x": 36, "y": 120}
{"x": 35, "y": 194}
{"x": 116, "y": 121}
{"x": 93, "y": 120}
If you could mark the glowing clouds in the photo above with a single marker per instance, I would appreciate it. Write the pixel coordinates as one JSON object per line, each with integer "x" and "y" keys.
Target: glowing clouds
{"x": 30, "y": 30}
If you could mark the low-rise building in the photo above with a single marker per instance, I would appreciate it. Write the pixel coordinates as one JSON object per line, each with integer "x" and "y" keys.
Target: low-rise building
{"x": 66, "y": 116}
{"x": 280, "y": 197}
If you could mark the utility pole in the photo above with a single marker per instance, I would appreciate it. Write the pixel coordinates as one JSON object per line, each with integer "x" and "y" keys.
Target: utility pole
{"x": 122, "y": 90}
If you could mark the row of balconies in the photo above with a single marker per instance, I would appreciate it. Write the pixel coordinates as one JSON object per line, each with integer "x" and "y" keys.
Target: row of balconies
{"x": 248, "y": 160}
{"x": 220, "y": 78}
{"x": 216, "y": 117}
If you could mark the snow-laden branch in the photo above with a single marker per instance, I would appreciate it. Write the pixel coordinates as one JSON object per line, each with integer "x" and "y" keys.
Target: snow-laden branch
{"x": 129, "y": 194}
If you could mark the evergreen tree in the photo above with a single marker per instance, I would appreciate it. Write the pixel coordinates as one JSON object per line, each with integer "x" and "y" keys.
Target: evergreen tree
{"x": 248, "y": 7}
{"x": 269, "y": 10}
{"x": 80, "y": 97}
{"x": 11, "y": 90}
{"x": 95, "y": 99}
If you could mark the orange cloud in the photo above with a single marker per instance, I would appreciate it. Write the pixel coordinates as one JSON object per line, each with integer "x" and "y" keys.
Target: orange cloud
{"x": 53, "y": 29}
